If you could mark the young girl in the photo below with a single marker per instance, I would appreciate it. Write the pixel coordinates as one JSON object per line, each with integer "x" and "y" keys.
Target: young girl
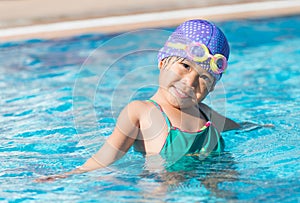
{"x": 173, "y": 122}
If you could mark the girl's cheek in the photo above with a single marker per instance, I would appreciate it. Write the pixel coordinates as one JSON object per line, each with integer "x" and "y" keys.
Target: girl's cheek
{"x": 204, "y": 86}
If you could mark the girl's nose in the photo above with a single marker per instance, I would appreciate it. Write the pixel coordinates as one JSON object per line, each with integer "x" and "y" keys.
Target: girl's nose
{"x": 191, "y": 79}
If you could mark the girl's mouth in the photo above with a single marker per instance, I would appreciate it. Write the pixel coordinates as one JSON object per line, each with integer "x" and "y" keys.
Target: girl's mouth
{"x": 179, "y": 93}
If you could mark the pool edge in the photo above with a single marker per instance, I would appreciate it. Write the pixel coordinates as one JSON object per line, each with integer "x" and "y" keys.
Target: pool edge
{"x": 125, "y": 23}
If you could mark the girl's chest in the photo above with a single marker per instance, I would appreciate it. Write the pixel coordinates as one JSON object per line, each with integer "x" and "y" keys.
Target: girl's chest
{"x": 154, "y": 130}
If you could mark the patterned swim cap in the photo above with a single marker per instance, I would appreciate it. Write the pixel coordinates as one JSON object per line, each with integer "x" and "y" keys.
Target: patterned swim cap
{"x": 197, "y": 31}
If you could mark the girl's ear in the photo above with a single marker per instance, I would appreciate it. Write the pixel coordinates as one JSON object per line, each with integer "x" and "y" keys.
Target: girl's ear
{"x": 160, "y": 64}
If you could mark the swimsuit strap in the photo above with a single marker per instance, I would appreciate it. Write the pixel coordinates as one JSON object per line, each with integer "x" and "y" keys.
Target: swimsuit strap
{"x": 218, "y": 137}
{"x": 164, "y": 114}
{"x": 205, "y": 116}
{"x": 219, "y": 148}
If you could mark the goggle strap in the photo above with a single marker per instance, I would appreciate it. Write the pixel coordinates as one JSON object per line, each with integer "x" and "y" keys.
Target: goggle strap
{"x": 177, "y": 45}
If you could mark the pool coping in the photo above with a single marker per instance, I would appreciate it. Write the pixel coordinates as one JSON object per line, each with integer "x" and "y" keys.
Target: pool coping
{"x": 123, "y": 23}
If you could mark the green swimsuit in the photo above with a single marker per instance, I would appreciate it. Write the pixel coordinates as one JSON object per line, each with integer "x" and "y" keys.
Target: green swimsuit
{"x": 180, "y": 143}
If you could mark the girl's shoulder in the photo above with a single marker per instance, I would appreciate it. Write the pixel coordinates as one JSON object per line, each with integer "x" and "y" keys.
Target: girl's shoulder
{"x": 139, "y": 104}
{"x": 139, "y": 107}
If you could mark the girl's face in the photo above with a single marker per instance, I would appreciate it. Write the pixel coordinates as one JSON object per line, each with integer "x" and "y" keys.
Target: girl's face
{"x": 183, "y": 82}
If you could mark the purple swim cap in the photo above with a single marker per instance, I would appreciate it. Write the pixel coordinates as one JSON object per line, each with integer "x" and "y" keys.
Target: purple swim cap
{"x": 193, "y": 32}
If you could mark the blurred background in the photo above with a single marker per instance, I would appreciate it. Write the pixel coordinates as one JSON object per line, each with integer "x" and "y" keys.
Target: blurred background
{"x": 20, "y": 13}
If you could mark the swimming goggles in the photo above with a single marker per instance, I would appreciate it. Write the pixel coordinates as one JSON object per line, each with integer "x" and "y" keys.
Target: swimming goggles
{"x": 199, "y": 53}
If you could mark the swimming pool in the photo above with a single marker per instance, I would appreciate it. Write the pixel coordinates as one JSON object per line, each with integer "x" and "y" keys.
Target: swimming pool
{"x": 60, "y": 98}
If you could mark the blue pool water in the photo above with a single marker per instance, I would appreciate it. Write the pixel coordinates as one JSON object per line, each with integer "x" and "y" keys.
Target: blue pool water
{"x": 60, "y": 99}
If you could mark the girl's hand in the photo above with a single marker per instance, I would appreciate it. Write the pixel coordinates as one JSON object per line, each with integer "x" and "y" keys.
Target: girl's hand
{"x": 249, "y": 126}
{"x": 50, "y": 178}
{"x": 79, "y": 170}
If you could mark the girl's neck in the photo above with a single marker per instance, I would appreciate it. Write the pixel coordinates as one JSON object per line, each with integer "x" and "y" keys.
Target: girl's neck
{"x": 160, "y": 98}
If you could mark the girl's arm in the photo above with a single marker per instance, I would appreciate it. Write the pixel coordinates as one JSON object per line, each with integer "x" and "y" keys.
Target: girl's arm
{"x": 223, "y": 123}
{"x": 116, "y": 145}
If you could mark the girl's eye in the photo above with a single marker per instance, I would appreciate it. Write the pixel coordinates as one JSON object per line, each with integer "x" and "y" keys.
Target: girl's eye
{"x": 186, "y": 66}
{"x": 206, "y": 78}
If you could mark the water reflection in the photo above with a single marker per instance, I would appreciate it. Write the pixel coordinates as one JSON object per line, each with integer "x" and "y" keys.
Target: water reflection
{"x": 192, "y": 174}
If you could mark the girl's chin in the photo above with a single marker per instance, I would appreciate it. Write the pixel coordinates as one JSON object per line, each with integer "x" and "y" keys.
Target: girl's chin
{"x": 181, "y": 102}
